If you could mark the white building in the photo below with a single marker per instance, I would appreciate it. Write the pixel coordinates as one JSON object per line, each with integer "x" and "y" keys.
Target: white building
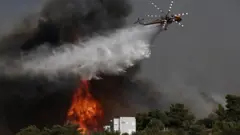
{"x": 116, "y": 124}
{"x": 124, "y": 124}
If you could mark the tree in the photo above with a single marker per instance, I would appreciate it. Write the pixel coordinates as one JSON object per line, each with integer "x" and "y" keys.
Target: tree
{"x": 55, "y": 130}
{"x": 31, "y": 130}
{"x": 196, "y": 129}
{"x": 226, "y": 127}
{"x": 209, "y": 121}
{"x": 155, "y": 123}
{"x": 233, "y": 108}
{"x": 142, "y": 120}
{"x": 228, "y": 120}
{"x": 64, "y": 130}
{"x": 151, "y": 131}
{"x": 221, "y": 113}
{"x": 179, "y": 116}
{"x": 232, "y": 111}
{"x": 157, "y": 114}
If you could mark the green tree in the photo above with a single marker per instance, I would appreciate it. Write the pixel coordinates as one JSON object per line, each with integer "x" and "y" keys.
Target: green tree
{"x": 55, "y": 130}
{"x": 233, "y": 108}
{"x": 221, "y": 113}
{"x": 226, "y": 127}
{"x": 157, "y": 114}
{"x": 30, "y": 130}
{"x": 155, "y": 123}
{"x": 179, "y": 116}
{"x": 142, "y": 120}
{"x": 232, "y": 111}
{"x": 208, "y": 121}
{"x": 196, "y": 129}
{"x": 151, "y": 131}
{"x": 228, "y": 119}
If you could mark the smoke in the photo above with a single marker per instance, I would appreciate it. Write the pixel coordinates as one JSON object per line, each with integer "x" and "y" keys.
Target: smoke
{"x": 200, "y": 103}
{"x": 43, "y": 57}
{"x": 64, "y": 21}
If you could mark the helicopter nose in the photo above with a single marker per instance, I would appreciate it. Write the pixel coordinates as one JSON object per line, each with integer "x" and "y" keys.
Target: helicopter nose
{"x": 178, "y": 19}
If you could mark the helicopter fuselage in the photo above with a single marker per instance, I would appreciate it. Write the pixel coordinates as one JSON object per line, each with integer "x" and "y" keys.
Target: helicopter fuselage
{"x": 169, "y": 20}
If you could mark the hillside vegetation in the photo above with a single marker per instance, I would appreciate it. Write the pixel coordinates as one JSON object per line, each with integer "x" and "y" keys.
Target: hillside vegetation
{"x": 178, "y": 120}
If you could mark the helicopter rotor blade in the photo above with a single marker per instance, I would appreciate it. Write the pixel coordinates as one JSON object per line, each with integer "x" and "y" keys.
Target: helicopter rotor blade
{"x": 161, "y": 11}
{"x": 181, "y": 14}
{"x": 164, "y": 24}
{"x": 154, "y": 16}
{"x": 170, "y": 6}
{"x": 180, "y": 24}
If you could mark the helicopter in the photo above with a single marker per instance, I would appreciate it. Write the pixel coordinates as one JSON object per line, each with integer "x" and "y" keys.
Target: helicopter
{"x": 164, "y": 20}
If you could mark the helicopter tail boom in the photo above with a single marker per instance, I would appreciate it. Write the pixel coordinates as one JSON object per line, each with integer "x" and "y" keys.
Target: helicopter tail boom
{"x": 139, "y": 21}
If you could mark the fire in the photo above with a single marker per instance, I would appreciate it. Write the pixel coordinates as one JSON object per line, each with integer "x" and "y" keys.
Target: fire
{"x": 85, "y": 111}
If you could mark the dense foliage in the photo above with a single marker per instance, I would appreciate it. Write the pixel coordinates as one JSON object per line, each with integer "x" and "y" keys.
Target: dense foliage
{"x": 178, "y": 120}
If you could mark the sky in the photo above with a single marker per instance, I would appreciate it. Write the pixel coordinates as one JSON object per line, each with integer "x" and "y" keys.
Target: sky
{"x": 203, "y": 56}
{"x": 11, "y": 12}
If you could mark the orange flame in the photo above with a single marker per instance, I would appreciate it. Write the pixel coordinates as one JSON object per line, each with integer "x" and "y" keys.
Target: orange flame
{"x": 85, "y": 111}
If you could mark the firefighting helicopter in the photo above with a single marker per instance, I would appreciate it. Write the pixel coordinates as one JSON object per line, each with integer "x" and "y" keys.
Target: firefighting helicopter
{"x": 164, "y": 20}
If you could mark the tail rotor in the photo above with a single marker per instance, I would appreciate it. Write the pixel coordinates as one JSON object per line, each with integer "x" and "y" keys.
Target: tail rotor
{"x": 139, "y": 21}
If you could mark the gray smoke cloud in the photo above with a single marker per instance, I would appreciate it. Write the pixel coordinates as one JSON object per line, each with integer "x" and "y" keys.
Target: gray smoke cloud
{"x": 200, "y": 103}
